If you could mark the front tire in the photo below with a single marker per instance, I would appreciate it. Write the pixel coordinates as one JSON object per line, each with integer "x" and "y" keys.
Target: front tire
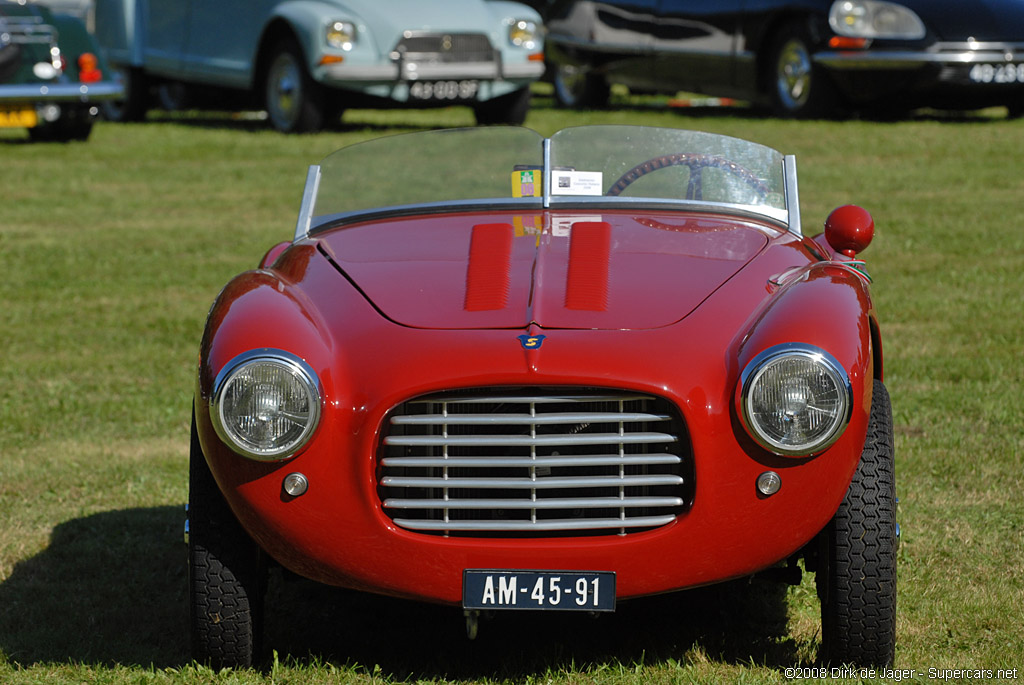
{"x": 294, "y": 101}
{"x": 856, "y": 575}
{"x": 508, "y": 109}
{"x": 797, "y": 87}
{"x": 226, "y": 575}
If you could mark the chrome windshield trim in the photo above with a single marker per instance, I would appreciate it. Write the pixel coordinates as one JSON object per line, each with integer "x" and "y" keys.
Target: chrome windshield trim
{"x": 792, "y": 195}
{"x": 761, "y": 213}
{"x": 305, "y": 219}
{"x": 322, "y": 223}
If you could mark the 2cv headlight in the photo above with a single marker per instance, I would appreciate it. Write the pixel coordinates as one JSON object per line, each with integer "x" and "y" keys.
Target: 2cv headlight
{"x": 266, "y": 404}
{"x": 795, "y": 399}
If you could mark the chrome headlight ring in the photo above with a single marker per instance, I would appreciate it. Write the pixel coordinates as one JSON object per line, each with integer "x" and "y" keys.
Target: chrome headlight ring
{"x": 875, "y": 19}
{"x": 266, "y": 404}
{"x": 795, "y": 399}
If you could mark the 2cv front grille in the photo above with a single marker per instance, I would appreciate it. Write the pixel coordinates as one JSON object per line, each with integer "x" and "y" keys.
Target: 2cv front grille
{"x": 444, "y": 48}
{"x": 535, "y": 463}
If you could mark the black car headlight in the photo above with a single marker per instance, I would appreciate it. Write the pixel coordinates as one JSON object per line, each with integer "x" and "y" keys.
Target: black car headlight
{"x": 875, "y": 19}
{"x": 266, "y": 404}
{"x": 794, "y": 399}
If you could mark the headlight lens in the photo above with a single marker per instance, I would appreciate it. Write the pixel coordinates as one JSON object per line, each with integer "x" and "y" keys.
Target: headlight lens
{"x": 266, "y": 404}
{"x": 341, "y": 35}
{"x": 795, "y": 400}
{"x": 523, "y": 33}
{"x": 875, "y": 19}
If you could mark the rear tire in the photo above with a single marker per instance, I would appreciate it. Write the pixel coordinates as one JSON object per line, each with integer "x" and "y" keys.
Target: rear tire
{"x": 226, "y": 575}
{"x": 856, "y": 574}
{"x": 136, "y": 101}
{"x": 576, "y": 87}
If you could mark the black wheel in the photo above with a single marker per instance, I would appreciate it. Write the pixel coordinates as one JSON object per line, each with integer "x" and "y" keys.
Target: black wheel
{"x": 226, "y": 575}
{"x": 576, "y": 87}
{"x": 136, "y": 101}
{"x": 856, "y": 574}
{"x": 508, "y": 109}
{"x": 294, "y": 101}
{"x": 75, "y": 123}
{"x": 797, "y": 87}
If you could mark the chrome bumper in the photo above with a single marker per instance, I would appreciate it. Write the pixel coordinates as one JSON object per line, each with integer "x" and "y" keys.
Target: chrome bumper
{"x": 62, "y": 92}
{"x": 941, "y": 54}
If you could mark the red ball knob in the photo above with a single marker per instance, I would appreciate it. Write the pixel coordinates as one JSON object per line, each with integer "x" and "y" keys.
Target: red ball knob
{"x": 849, "y": 230}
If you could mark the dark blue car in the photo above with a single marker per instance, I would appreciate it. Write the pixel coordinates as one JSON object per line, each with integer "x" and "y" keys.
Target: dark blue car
{"x": 799, "y": 57}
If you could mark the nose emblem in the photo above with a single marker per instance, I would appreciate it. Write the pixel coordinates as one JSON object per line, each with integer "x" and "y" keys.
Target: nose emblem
{"x": 531, "y": 342}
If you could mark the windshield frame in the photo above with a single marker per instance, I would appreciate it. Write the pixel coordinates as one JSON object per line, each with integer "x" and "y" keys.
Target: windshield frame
{"x": 788, "y": 218}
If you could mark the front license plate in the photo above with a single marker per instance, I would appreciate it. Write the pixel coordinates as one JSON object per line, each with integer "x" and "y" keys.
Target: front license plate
{"x": 997, "y": 73}
{"x": 444, "y": 91}
{"x": 18, "y": 117}
{"x": 551, "y": 590}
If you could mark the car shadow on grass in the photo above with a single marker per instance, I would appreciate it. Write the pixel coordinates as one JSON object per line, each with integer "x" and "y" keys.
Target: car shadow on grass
{"x": 110, "y": 588}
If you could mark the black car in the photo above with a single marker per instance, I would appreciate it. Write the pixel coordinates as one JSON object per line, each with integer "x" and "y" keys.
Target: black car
{"x": 800, "y": 57}
{"x": 52, "y": 74}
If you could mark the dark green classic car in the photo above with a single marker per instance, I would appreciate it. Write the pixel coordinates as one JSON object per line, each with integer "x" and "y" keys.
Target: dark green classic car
{"x": 52, "y": 75}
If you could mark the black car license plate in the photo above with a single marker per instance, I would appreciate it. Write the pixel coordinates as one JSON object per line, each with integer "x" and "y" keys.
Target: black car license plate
{"x": 444, "y": 91}
{"x": 545, "y": 590}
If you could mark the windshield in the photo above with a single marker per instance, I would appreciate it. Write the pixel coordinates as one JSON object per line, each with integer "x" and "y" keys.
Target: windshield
{"x": 508, "y": 166}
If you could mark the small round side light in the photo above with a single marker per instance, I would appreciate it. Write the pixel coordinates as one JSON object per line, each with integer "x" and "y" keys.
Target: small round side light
{"x": 295, "y": 484}
{"x": 768, "y": 483}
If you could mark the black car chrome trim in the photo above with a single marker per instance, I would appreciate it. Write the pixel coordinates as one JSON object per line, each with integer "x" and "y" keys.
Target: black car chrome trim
{"x": 940, "y": 53}
{"x": 62, "y": 92}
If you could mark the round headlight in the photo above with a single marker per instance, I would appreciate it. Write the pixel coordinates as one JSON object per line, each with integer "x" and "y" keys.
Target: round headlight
{"x": 266, "y": 404}
{"x": 523, "y": 33}
{"x": 341, "y": 34}
{"x": 795, "y": 400}
{"x": 875, "y": 19}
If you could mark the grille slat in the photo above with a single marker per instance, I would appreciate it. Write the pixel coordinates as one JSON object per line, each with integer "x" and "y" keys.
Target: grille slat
{"x": 566, "y": 503}
{"x": 527, "y": 440}
{"x": 527, "y": 462}
{"x": 535, "y": 462}
{"x": 525, "y": 419}
{"x": 529, "y": 483}
{"x": 551, "y": 525}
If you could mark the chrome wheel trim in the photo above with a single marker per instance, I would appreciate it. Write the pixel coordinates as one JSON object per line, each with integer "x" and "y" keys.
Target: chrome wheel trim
{"x": 284, "y": 91}
{"x": 793, "y": 75}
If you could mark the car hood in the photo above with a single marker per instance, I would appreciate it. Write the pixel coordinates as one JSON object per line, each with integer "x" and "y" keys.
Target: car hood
{"x": 601, "y": 271}
{"x": 982, "y": 20}
{"x": 388, "y": 20}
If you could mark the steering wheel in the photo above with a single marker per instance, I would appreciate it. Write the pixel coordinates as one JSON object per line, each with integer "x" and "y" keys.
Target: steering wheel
{"x": 696, "y": 162}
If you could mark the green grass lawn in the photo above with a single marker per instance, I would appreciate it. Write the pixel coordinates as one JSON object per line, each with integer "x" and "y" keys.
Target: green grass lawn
{"x": 114, "y": 249}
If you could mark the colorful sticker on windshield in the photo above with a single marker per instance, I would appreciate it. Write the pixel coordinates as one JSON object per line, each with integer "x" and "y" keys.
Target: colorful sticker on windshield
{"x": 577, "y": 183}
{"x": 526, "y": 183}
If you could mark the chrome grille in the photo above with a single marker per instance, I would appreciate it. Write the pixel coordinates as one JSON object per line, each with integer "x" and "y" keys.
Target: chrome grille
{"x": 535, "y": 463}
{"x": 443, "y": 48}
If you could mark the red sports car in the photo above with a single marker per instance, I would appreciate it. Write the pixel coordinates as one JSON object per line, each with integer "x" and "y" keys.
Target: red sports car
{"x": 499, "y": 371}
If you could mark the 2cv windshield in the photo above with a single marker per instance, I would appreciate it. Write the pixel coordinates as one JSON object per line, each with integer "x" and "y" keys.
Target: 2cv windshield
{"x": 516, "y": 168}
